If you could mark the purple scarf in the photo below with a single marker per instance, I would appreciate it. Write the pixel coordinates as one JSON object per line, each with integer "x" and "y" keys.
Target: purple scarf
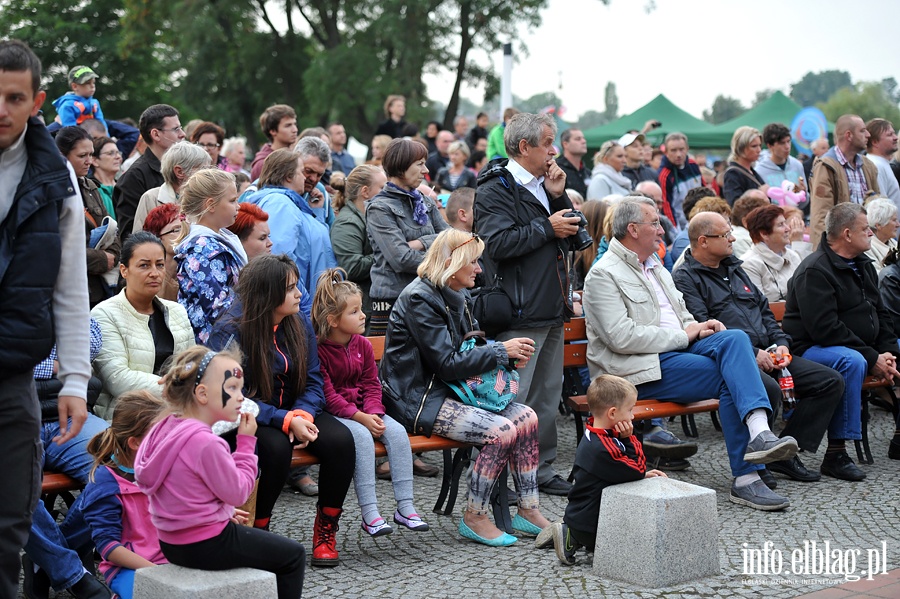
{"x": 420, "y": 212}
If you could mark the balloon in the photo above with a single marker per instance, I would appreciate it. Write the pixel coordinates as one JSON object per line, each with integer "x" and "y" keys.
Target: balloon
{"x": 808, "y": 125}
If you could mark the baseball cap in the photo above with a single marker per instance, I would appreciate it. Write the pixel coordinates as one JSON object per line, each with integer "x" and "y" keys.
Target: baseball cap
{"x": 629, "y": 138}
{"x": 81, "y": 75}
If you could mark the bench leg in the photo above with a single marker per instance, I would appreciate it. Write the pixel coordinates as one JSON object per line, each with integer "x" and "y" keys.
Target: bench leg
{"x": 579, "y": 433}
{"x": 863, "y": 451}
{"x": 500, "y": 503}
{"x": 447, "y": 476}
{"x": 689, "y": 425}
{"x": 460, "y": 461}
{"x": 715, "y": 420}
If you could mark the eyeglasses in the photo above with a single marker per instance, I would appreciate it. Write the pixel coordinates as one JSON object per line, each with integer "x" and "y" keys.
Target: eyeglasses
{"x": 111, "y": 153}
{"x": 470, "y": 240}
{"x": 655, "y": 223}
{"x": 729, "y": 233}
{"x": 177, "y": 129}
{"x": 208, "y": 146}
{"x": 172, "y": 231}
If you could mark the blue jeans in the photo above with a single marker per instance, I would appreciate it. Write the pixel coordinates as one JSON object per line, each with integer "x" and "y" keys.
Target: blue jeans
{"x": 46, "y": 545}
{"x": 723, "y": 365}
{"x": 846, "y": 422}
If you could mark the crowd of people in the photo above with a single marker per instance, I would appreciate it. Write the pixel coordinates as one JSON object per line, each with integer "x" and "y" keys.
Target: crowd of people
{"x": 226, "y": 301}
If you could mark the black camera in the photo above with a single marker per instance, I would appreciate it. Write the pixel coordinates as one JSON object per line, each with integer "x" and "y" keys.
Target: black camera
{"x": 582, "y": 239}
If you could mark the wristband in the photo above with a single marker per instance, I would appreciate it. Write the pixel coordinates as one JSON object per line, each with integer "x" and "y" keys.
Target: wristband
{"x": 286, "y": 425}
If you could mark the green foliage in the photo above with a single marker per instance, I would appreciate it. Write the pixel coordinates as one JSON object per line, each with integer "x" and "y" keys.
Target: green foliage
{"x": 612, "y": 102}
{"x": 818, "y": 87}
{"x": 538, "y": 102}
{"x": 66, "y": 33}
{"x": 762, "y": 96}
{"x": 591, "y": 119}
{"x": 724, "y": 108}
{"x": 868, "y": 100}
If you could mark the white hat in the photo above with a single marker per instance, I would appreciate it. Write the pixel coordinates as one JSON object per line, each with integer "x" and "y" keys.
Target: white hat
{"x": 629, "y": 138}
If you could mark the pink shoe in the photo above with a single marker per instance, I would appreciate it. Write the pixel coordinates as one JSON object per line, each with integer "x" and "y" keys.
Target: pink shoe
{"x": 414, "y": 522}
{"x": 378, "y": 527}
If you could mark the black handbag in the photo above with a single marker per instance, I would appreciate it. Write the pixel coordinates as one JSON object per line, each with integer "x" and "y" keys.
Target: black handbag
{"x": 493, "y": 309}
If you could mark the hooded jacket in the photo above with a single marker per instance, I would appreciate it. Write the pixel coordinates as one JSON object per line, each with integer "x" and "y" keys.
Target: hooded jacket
{"x": 675, "y": 183}
{"x": 350, "y": 377}
{"x": 830, "y": 304}
{"x": 532, "y": 266}
{"x": 192, "y": 479}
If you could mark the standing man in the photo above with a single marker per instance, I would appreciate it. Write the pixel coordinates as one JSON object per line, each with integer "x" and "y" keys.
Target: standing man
{"x": 635, "y": 169}
{"x": 279, "y": 124}
{"x": 520, "y": 205}
{"x": 43, "y": 295}
{"x": 881, "y": 147}
{"x": 678, "y": 174}
{"x": 842, "y": 174}
{"x": 835, "y": 316}
{"x": 778, "y": 165}
{"x": 341, "y": 160}
{"x": 574, "y": 147}
{"x": 440, "y": 157}
{"x": 161, "y": 129}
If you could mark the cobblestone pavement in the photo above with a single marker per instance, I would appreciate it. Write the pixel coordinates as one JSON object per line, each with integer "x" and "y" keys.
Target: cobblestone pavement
{"x": 439, "y": 563}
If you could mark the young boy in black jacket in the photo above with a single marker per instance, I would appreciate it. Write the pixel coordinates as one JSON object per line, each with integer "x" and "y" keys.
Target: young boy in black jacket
{"x": 608, "y": 454}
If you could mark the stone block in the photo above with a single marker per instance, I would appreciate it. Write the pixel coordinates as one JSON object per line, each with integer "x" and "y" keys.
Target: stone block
{"x": 657, "y": 532}
{"x": 174, "y": 582}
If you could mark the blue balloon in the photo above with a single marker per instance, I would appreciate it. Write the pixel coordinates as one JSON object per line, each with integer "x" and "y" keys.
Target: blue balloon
{"x": 808, "y": 125}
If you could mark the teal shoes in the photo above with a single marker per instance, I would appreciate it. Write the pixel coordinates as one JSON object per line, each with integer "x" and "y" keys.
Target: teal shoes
{"x": 504, "y": 540}
{"x": 525, "y": 527}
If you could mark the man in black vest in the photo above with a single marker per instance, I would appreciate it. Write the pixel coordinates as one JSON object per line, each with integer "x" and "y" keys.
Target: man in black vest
{"x": 43, "y": 295}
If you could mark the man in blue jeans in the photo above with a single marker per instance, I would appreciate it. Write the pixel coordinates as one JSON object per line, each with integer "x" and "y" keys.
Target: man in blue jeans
{"x": 835, "y": 316}
{"x": 50, "y": 556}
{"x": 638, "y": 328}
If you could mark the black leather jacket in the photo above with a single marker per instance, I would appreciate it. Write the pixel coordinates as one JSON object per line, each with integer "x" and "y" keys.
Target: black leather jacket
{"x": 421, "y": 350}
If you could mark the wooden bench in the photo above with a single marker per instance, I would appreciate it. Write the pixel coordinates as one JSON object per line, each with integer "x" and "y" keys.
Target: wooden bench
{"x": 575, "y": 356}
{"x": 863, "y": 451}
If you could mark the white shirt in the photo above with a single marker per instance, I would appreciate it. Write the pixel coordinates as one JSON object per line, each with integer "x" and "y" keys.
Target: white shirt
{"x": 887, "y": 182}
{"x": 668, "y": 319}
{"x": 533, "y": 184}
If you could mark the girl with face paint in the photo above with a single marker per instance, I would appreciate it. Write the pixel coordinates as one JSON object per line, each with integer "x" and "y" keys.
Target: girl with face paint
{"x": 194, "y": 482}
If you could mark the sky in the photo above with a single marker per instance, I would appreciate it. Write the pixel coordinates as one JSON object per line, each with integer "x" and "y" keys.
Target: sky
{"x": 692, "y": 50}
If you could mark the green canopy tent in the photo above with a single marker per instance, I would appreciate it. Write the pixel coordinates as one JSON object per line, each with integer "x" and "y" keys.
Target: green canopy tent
{"x": 659, "y": 108}
{"x": 777, "y": 109}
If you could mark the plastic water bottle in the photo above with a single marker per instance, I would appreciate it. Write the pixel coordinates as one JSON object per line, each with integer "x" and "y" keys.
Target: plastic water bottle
{"x": 788, "y": 399}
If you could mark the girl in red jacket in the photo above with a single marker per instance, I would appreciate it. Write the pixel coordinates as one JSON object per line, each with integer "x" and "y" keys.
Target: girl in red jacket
{"x": 353, "y": 395}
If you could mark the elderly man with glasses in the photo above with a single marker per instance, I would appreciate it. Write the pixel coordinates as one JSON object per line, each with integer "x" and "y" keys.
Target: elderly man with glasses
{"x": 639, "y": 328}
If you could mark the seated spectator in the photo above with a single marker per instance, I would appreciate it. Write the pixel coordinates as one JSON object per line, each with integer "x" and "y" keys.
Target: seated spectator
{"x": 478, "y": 132}
{"x": 251, "y": 225}
{"x": 595, "y": 213}
{"x": 456, "y": 175}
{"x": 210, "y": 137}
{"x": 607, "y": 177}
{"x": 889, "y": 288}
{"x": 740, "y": 209}
{"x": 659, "y": 347}
{"x": 75, "y": 145}
{"x": 294, "y": 227}
{"x": 746, "y": 145}
{"x": 770, "y": 262}
{"x": 477, "y": 161}
{"x": 693, "y": 196}
{"x": 234, "y": 149}
{"x": 51, "y": 558}
{"x": 140, "y": 331}
{"x": 348, "y": 233}
{"x": 882, "y": 215}
{"x": 400, "y": 223}
{"x": 379, "y": 145}
{"x": 652, "y": 190}
{"x": 459, "y": 209}
{"x": 430, "y": 138}
{"x": 165, "y": 222}
{"x": 440, "y": 158}
{"x": 105, "y": 165}
{"x": 281, "y": 374}
{"x": 177, "y": 165}
{"x": 835, "y": 316}
{"x": 209, "y": 256}
{"x": 426, "y": 329}
{"x": 715, "y": 286}
{"x": 709, "y": 204}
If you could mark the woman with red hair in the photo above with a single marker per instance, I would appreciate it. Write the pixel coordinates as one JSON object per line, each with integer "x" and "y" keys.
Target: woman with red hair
{"x": 164, "y": 222}
{"x": 252, "y": 228}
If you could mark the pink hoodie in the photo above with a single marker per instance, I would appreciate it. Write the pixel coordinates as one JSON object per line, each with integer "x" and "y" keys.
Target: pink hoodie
{"x": 192, "y": 479}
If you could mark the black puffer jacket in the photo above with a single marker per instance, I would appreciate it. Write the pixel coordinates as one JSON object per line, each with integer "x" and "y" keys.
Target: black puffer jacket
{"x": 535, "y": 269}
{"x": 829, "y": 304}
{"x": 421, "y": 350}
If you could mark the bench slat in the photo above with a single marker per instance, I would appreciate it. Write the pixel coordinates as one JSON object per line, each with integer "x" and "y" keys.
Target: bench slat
{"x": 418, "y": 443}
{"x": 651, "y": 408}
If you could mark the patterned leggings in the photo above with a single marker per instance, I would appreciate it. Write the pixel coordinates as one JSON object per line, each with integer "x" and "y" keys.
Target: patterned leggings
{"x": 508, "y": 437}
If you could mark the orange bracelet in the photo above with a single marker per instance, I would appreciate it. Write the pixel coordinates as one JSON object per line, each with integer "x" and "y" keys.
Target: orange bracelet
{"x": 286, "y": 425}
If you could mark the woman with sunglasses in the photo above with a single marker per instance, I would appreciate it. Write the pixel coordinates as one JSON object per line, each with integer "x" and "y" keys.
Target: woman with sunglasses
{"x": 423, "y": 349}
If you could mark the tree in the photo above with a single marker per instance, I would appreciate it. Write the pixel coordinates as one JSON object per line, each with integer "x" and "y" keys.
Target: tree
{"x": 762, "y": 96}
{"x": 724, "y": 108}
{"x": 539, "y": 102}
{"x": 818, "y": 87}
{"x": 868, "y": 100}
{"x": 66, "y": 33}
{"x": 591, "y": 119}
{"x": 612, "y": 102}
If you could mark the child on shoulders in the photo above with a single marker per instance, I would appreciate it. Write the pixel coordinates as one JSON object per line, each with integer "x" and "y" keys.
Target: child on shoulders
{"x": 194, "y": 482}
{"x": 609, "y": 454}
{"x": 79, "y": 105}
{"x": 353, "y": 395}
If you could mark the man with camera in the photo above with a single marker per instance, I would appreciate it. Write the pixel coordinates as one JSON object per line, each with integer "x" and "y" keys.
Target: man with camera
{"x": 521, "y": 213}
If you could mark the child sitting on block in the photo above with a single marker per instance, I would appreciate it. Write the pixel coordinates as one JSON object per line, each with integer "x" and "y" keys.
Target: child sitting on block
{"x": 608, "y": 454}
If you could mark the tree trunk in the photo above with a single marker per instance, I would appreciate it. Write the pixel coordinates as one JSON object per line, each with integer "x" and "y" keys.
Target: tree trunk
{"x": 465, "y": 13}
